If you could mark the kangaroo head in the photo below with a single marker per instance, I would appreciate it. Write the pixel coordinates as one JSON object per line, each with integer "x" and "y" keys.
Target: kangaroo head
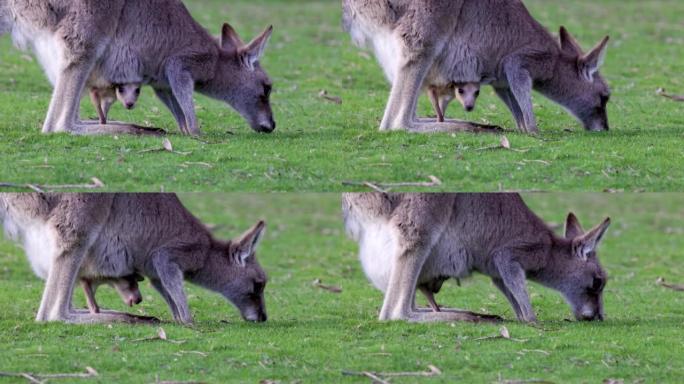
{"x": 128, "y": 289}
{"x": 128, "y": 94}
{"x": 467, "y": 94}
{"x": 233, "y": 271}
{"x": 240, "y": 81}
{"x": 578, "y": 86}
{"x": 578, "y": 274}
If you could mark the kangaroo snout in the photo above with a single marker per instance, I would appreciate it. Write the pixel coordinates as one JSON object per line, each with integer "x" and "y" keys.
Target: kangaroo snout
{"x": 266, "y": 127}
{"x": 255, "y": 316}
{"x": 469, "y": 108}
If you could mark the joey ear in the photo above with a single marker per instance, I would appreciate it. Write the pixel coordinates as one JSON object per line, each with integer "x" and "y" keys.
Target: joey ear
{"x": 582, "y": 246}
{"x": 252, "y": 52}
{"x": 572, "y": 227}
{"x": 568, "y": 43}
{"x": 229, "y": 38}
{"x": 592, "y": 61}
{"x": 249, "y": 241}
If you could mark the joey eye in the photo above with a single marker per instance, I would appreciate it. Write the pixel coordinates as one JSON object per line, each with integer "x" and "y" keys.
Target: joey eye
{"x": 137, "y": 91}
{"x": 477, "y": 93}
{"x": 461, "y": 91}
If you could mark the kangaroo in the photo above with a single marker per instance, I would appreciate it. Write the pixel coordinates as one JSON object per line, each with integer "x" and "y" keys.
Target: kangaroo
{"x": 117, "y": 235}
{"x": 441, "y": 97}
{"x": 407, "y": 241}
{"x": 444, "y": 41}
{"x": 156, "y": 42}
{"x": 127, "y": 287}
{"x": 90, "y": 279}
{"x": 103, "y": 98}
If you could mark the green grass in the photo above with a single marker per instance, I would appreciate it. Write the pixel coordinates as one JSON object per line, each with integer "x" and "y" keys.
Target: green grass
{"x": 312, "y": 334}
{"x": 319, "y": 144}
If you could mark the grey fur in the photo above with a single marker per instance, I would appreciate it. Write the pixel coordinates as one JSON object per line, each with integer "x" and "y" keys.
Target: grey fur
{"x": 117, "y": 235}
{"x": 156, "y": 42}
{"x": 490, "y": 41}
{"x": 417, "y": 240}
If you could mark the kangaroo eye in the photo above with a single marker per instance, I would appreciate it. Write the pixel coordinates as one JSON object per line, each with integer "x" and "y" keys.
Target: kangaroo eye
{"x": 597, "y": 284}
{"x": 137, "y": 91}
{"x": 477, "y": 93}
{"x": 461, "y": 91}
{"x": 267, "y": 90}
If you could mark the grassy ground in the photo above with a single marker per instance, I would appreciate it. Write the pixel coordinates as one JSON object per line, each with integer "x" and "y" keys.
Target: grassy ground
{"x": 319, "y": 144}
{"x": 313, "y": 335}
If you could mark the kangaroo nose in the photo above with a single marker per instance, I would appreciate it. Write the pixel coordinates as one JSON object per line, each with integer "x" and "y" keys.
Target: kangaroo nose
{"x": 469, "y": 108}
{"x": 129, "y": 105}
{"x": 267, "y": 128}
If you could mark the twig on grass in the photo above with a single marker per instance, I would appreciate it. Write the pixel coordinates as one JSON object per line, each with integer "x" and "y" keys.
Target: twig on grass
{"x": 323, "y": 94}
{"x": 166, "y": 147}
{"x": 504, "y": 143}
{"x": 42, "y": 377}
{"x": 381, "y": 377}
{"x": 661, "y": 92}
{"x": 161, "y": 335}
{"x": 676, "y": 287}
{"x": 332, "y": 288}
{"x": 96, "y": 184}
{"x": 503, "y": 334}
{"x": 386, "y": 187}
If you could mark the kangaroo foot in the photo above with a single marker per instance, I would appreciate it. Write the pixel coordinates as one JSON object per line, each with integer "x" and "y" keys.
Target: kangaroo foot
{"x": 107, "y": 316}
{"x": 424, "y": 126}
{"x": 89, "y": 129}
{"x": 447, "y": 315}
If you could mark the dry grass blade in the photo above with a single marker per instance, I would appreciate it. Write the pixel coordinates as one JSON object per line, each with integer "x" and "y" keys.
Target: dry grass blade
{"x": 166, "y": 143}
{"x": 332, "y": 288}
{"x": 676, "y": 287}
{"x": 663, "y": 93}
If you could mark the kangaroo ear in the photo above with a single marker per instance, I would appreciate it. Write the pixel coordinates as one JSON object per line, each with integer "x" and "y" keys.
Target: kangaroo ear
{"x": 568, "y": 43}
{"x": 592, "y": 61}
{"x": 249, "y": 241}
{"x": 252, "y": 52}
{"x": 572, "y": 227}
{"x": 584, "y": 245}
{"x": 229, "y": 38}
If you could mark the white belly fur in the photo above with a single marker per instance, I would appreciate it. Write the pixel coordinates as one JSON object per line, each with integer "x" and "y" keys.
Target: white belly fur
{"x": 38, "y": 242}
{"x": 378, "y": 246}
{"x": 47, "y": 48}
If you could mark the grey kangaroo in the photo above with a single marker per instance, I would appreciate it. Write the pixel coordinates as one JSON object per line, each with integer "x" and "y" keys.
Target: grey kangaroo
{"x": 442, "y": 96}
{"x": 117, "y": 235}
{"x": 103, "y": 98}
{"x": 442, "y": 41}
{"x": 156, "y": 42}
{"x": 418, "y": 240}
